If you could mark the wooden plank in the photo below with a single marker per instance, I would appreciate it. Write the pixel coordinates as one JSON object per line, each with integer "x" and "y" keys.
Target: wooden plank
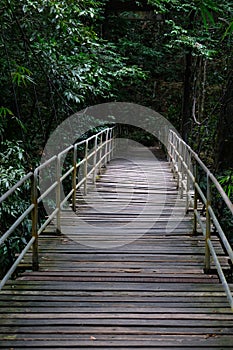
{"x": 135, "y": 330}
{"x": 81, "y": 322}
{"x": 44, "y": 305}
{"x": 187, "y": 342}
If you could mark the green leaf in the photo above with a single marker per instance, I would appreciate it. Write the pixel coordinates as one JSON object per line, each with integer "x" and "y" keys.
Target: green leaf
{"x": 228, "y": 31}
{"x": 21, "y": 75}
{"x": 206, "y": 15}
{"x": 5, "y": 111}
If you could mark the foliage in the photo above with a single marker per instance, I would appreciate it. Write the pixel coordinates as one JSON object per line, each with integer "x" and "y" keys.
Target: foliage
{"x": 137, "y": 134}
{"x": 201, "y": 29}
{"x": 224, "y": 215}
{"x": 21, "y": 75}
{"x": 55, "y": 62}
{"x": 226, "y": 181}
{"x": 7, "y": 117}
{"x": 12, "y": 170}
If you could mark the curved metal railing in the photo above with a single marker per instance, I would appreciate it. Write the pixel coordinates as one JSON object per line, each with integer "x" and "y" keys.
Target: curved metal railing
{"x": 97, "y": 150}
{"x": 186, "y": 164}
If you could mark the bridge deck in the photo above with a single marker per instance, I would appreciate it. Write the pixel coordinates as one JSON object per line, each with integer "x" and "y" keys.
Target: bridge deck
{"x": 131, "y": 279}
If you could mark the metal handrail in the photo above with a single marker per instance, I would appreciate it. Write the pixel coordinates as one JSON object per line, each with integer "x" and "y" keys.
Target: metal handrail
{"x": 185, "y": 162}
{"x": 101, "y": 154}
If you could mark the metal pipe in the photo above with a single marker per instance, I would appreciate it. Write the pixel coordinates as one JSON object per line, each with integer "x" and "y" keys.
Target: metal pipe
{"x": 66, "y": 150}
{"x": 201, "y": 193}
{"x": 34, "y": 199}
{"x": 66, "y": 174}
{"x": 221, "y": 234}
{"x": 221, "y": 274}
{"x": 16, "y": 223}
{"x": 85, "y": 168}
{"x": 43, "y": 165}
{"x": 208, "y": 225}
{"x": 17, "y": 261}
{"x": 52, "y": 187}
{"x": 197, "y": 217}
{"x": 58, "y": 194}
{"x": 17, "y": 185}
{"x": 66, "y": 198}
{"x": 51, "y": 216}
{"x": 94, "y": 162}
{"x": 74, "y": 178}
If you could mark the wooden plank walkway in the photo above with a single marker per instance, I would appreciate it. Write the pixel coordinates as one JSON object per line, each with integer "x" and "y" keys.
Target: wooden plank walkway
{"x": 117, "y": 285}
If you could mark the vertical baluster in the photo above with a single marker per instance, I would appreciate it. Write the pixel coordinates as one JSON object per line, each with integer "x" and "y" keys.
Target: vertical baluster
{"x": 74, "y": 178}
{"x": 58, "y": 193}
{"x": 109, "y": 145}
{"x": 106, "y": 148}
{"x": 208, "y": 224}
{"x": 181, "y": 152}
{"x": 169, "y": 147}
{"x": 85, "y": 167}
{"x": 178, "y": 162}
{"x": 100, "y": 152}
{"x": 195, "y": 198}
{"x": 94, "y": 160}
{"x": 34, "y": 198}
{"x": 173, "y": 154}
{"x": 188, "y": 163}
{"x": 114, "y": 142}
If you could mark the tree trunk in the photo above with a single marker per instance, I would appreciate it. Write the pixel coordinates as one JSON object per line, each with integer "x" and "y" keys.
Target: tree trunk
{"x": 188, "y": 84}
{"x": 224, "y": 148}
{"x": 186, "y": 109}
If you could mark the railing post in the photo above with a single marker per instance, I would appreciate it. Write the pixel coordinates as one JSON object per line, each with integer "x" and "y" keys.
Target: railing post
{"x": 195, "y": 199}
{"x": 74, "y": 178}
{"x": 94, "y": 161}
{"x": 160, "y": 144}
{"x": 178, "y": 162}
{"x": 173, "y": 154}
{"x": 109, "y": 145}
{"x": 58, "y": 194}
{"x": 208, "y": 224}
{"x": 181, "y": 152}
{"x": 113, "y": 143}
{"x": 106, "y": 148}
{"x": 100, "y": 152}
{"x": 169, "y": 148}
{"x": 188, "y": 163}
{"x": 85, "y": 168}
{"x": 34, "y": 194}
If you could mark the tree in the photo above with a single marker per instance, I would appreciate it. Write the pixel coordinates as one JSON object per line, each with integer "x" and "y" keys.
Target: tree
{"x": 54, "y": 62}
{"x": 196, "y": 27}
{"x": 224, "y": 149}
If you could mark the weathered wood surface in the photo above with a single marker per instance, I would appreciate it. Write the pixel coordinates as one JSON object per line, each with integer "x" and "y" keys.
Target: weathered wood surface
{"x": 150, "y": 293}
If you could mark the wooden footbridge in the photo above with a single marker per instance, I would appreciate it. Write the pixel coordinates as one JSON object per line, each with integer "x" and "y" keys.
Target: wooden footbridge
{"x": 140, "y": 263}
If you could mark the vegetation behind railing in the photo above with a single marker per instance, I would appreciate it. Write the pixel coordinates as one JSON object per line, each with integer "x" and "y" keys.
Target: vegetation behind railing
{"x": 51, "y": 186}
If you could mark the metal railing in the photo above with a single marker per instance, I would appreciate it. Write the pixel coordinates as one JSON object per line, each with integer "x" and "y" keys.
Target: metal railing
{"x": 187, "y": 166}
{"x": 96, "y": 151}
